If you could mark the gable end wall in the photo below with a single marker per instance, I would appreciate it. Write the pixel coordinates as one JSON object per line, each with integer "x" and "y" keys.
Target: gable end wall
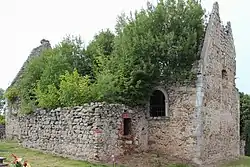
{"x": 220, "y": 107}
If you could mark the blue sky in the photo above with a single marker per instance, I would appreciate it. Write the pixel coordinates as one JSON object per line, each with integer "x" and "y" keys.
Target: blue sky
{"x": 25, "y": 22}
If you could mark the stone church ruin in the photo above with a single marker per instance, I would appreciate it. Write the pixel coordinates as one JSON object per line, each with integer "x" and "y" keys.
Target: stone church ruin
{"x": 198, "y": 123}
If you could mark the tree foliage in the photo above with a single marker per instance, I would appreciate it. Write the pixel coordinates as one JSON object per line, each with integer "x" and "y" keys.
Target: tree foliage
{"x": 2, "y": 120}
{"x": 74, "y": 89}
{"x": 12, "y": 94}
{"x": 41, "y": 78}
{"x": 66, "y": 56}
{"x": 159, "y": 43}
{"x": 245, "y": 120}
{"x": 244, "y": 114}
{"x": 156, "y": 44}
{"x": 100, "y": 49}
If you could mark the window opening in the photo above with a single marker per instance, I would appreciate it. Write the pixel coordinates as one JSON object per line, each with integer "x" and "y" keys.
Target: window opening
{"x": 157, "y": 104}
{"x": 127, "y": 126}
{"x": 224, "y": 74}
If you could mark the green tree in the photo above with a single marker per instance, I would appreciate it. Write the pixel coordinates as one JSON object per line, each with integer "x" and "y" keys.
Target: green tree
{"x": 100, "y": 49}
{"x": 244, "y": 113}
{"x": 74, "y": 89}
{"x": 105, "y": 88}
{"x": 156, "y": 44}
{"x": 247, "y": 137}
{"x": 32, "y": 73}
{"x": 66, "y": 56}
{"x": 41, "y": 76}
{"x": 245, "y": 120}
{"x": 2, "y": 120}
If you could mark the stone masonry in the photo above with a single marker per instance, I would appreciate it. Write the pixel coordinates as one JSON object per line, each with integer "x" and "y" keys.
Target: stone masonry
{"x": 92, "y": 132}
{"x": 175, "y": 135}
{"x": 2, "y": 131}
{"x": 220, "y": 138}
{"x": 200, "y": 123}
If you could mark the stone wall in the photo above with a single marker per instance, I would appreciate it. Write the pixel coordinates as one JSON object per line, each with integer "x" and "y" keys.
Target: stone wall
{"x": 2, "y": 131}
{"x": 220, "y": 112}
{"x": 202, "y": 124}
{"x": 175, "y": 135}
{"x": 242, "y": 147}
{"x": 90, "y": 132}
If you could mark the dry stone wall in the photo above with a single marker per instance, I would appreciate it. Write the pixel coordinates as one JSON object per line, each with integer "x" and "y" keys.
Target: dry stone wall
{"x": 175, "y": 135}
{"x": 92, "y": 132}
{"x": 220, "y": 111}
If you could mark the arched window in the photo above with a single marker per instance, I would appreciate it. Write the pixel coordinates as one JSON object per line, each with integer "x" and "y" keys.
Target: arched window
{"x": 158, "y": 104}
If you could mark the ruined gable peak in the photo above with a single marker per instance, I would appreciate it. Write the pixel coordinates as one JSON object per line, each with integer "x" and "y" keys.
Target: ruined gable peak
{"x": 45, "y": 42}
{"x": 215, "y": 14}
{"x": 215, "y": 7}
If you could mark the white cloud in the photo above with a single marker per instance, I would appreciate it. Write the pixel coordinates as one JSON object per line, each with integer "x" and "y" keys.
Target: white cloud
{"x": 24, "y": 23}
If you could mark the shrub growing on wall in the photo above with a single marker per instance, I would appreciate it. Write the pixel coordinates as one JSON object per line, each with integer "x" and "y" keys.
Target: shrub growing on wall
{"x": 2, "y": 120}
{"x": 74, "y": 89}
{"x": 48, "y": 97}
{"x": 105, "y": 88}
{"x": 12, "y": 94}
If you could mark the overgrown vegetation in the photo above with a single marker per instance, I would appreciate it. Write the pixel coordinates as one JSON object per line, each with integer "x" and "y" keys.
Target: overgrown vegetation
{"x": 2, "y": 102}
{"x": 245, "y": 120}
{"x": 2, "y": 120}
{"x": 159, "y": 43}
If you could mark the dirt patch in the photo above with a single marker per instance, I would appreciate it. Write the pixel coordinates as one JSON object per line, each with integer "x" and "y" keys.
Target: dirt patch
{"x": 146, "y": 159}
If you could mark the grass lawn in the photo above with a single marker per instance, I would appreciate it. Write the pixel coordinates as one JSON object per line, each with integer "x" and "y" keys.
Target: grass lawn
{"x": 243, "y": 162}
{"x": 37, "y": 158}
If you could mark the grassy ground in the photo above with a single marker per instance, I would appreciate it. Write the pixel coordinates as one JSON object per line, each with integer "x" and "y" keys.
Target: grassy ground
{"x": 37, "y": 158}
{"x": 243, "y": 162}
